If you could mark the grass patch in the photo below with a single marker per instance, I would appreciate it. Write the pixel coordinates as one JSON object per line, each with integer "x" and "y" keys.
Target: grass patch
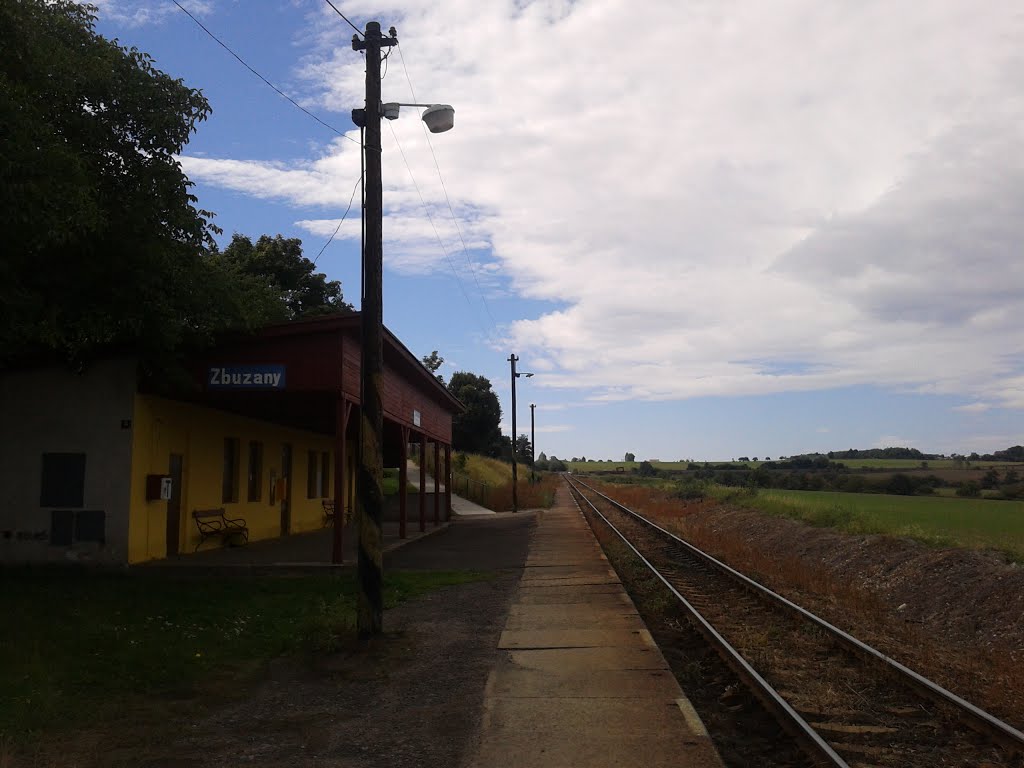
{"x": 488, "y": 482}
{"x": 484, "y": 469}
{"x": 972, "y": 523}
{"x": 79, "y": 644}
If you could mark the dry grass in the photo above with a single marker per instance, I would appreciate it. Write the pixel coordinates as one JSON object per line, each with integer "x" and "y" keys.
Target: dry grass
{"x": 490, "y": 483}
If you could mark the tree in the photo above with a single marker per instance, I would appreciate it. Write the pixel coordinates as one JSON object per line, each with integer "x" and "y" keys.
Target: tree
{"x": 630, "y": 457}
{"x": 278, "y": 264}
{"x": 647, "y": 469}
{"x": 105, "y": 243}
{"x": 432, "y": 363}
{"x": 478, "y": 430}
{"x": 524, "y": 450}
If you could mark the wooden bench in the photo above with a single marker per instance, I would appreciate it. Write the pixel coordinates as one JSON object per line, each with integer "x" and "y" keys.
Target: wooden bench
{"x": 328, "y": 505}
{"x": 213, "y": 523}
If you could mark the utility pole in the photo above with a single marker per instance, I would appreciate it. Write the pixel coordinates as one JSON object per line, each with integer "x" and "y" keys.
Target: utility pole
{"x": 515, "y": 489}
{"x": 370, "y": 475}
{"x": 533, "y": 443}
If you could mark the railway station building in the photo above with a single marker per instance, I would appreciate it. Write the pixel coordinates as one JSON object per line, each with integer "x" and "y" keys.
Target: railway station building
{"x": 109, "y": 465}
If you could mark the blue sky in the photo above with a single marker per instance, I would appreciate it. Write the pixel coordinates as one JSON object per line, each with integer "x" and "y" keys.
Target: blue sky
{"x": 733, "y": 230}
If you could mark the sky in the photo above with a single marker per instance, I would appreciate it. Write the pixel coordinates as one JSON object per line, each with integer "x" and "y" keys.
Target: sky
{"x": 709, "y": 228}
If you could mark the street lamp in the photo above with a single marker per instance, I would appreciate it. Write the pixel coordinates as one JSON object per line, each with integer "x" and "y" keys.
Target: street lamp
{"x": 515, "y": 489}
{"x": 370, "y": 475}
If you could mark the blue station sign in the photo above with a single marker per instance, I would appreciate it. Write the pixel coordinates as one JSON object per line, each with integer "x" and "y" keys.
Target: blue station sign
{"x": 245, "y": 377}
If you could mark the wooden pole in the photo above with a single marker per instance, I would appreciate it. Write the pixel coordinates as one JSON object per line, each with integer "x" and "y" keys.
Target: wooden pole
{"x": 403, "y": 480}
{"x": 370, "y": 480}
{"x": 437, "y": 483}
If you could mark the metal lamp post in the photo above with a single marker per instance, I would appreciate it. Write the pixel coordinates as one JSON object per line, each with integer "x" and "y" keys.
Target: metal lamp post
{"x": 533, "y": 443}
{"x": 515, "y": 375}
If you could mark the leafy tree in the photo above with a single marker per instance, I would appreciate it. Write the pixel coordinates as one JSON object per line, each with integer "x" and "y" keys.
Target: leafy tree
{"x": 970, "y": 490}
{"x": 277, "y": 263}
{"x": 542, "y": 457}
{"x": 524, "y": 450}
{"x": 104, "y": 241}
{"x": 630, "y": 457}
{"x": 433, "y": 363}
{"x": 647, "y": 469}
{"x": 478, "y": 430}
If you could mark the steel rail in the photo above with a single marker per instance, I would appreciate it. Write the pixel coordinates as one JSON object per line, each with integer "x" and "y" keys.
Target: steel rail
{"x": 812, "y": 742}
{"x": 1008, "y": 736}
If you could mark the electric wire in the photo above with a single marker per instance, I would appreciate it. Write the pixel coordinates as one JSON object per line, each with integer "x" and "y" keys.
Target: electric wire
{"x": 261, "y": 77}
{"x": 465, "y": 248}
{"x": 433, "y": 226}
{"x": 358, "y": 31}
{"x": 343, "y": 217}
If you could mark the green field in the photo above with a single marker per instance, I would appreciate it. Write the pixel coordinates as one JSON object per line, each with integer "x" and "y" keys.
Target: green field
{"x": 891, "y": 464}
{"x": 916, "y": 464}
{"x": 974, "y": 523}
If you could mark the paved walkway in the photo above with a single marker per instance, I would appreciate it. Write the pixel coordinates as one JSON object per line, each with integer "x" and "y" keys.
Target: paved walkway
{"x": 579, "y": 680}
{"x": 460, "y": 506}
{"x": 299, "y": 549}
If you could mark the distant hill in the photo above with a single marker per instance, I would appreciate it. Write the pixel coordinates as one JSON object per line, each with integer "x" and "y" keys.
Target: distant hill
{"x": 884, "y": 453}
{"x": 1014, "y": 453}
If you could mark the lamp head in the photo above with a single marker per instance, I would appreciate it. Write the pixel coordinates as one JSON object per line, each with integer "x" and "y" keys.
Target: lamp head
{"x": 439, "y": 117}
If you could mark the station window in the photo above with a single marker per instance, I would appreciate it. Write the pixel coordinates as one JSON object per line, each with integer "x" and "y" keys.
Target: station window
{"x": 62, "y": 480}
{"x": 325, "y": 474}
{"x": 312, "y": 475}
{"x": 229, "y": 488}
{"x": 255, "y": 471}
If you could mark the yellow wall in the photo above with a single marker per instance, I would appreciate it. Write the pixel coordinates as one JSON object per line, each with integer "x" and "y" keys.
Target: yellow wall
{"x": 162, "y": 427}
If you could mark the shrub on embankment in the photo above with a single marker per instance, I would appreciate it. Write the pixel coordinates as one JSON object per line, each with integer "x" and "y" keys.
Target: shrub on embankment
{"x": 488, "y": 482}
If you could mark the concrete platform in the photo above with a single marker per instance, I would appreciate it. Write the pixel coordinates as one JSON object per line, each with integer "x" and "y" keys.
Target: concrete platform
{"x": 579, "y": 680}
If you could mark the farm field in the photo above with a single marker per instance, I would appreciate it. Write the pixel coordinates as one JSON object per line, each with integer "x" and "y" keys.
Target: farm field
{"x": 972, "y": 523}
{"x": 915, "y": 464}
{"x": 881, "y": 464}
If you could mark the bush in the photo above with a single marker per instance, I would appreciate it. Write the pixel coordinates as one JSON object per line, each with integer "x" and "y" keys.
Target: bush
{"x": 691, "y": 490}
{"x": 970, "y": 490}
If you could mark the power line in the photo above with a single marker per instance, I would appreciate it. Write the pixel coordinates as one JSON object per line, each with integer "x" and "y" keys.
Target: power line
{"x": 465, "y": 248}
{"x": 358, "y": 31}
{"x": 430, "y": 218}
{"x": 343, "y": 217}
{"x": 261, "y": 77}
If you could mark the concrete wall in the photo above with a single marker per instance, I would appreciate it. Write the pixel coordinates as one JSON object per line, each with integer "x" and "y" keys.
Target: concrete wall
{"x": 54, "y": 411}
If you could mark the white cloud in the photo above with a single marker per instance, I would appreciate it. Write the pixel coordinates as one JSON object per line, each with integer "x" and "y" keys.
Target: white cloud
{"x": 137, "y": 13}
{"x": 553, "y": 428}
{"x": 759, "y": 197}
{"x": 973, "y": 408}
{"x": 894, "y": 441}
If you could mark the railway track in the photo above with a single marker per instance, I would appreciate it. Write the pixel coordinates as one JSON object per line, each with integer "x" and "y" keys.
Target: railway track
{"x": 844, "y": 702}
